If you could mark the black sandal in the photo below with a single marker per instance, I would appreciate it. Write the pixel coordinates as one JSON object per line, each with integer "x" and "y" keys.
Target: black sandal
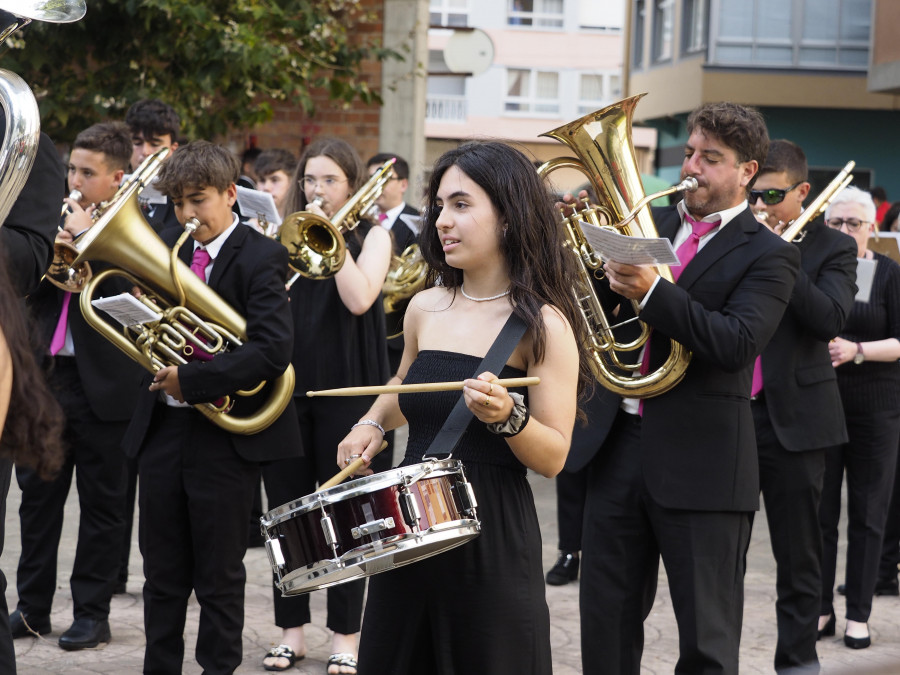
{"x": 345, "y": 659}
{"x": 281, "y": 652}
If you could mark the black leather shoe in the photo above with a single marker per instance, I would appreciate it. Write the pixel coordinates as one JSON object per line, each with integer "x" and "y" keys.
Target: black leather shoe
{"x": 565, "y": 569}
{"x": 887, "y": 587}
{"x": 38, "y": 624}
{"x": 857, "y": 643}
{"x": 84, "y": 634}
{"x": 828, "y": 630}
{"x": 842, "y": 589}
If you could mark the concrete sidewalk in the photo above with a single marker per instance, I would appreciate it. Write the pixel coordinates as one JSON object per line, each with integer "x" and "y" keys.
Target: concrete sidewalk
{"x": 124, "y": 654}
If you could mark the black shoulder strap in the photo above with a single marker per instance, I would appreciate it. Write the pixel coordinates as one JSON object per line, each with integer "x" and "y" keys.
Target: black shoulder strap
{"x": 459, "y": 418}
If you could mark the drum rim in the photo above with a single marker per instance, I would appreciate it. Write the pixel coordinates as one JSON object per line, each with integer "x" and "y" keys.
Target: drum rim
{"x": 353, "y": 488}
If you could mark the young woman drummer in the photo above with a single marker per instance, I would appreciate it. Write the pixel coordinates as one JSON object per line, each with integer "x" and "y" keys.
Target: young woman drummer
{"x": 493, "y": 241}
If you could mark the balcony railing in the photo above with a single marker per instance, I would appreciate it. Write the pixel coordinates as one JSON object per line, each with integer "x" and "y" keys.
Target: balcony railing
{"x": 445, "y": 108}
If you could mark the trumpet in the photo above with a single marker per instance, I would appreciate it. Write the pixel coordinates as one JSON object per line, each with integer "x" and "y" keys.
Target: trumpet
{"x": 315, "y": 245}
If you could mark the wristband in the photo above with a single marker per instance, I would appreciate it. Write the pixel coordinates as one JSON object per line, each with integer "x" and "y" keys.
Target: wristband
{"x": 516, "y": 421}
{"x": 371, "y": 423}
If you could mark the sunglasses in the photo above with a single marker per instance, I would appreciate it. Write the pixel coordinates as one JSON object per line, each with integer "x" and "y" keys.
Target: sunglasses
{"x": 771, "y": 196}
{"x": 852, "y": 224}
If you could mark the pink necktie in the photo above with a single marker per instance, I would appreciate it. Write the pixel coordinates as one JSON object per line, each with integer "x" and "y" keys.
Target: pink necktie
{"x": 685, "y": 253}
{"x": 59, "y": 335}
{"x": 200, "y": 262}
{"x": 757, "y": 385}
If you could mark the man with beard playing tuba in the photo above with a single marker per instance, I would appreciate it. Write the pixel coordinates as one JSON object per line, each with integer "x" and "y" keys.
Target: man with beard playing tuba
{"x": 197, "y": 479}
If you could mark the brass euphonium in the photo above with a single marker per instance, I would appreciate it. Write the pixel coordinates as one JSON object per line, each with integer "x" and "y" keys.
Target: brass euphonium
{"x": 23, "y": 123}
{"x": 405, "y": 278}
{"x": 316, "y": 248}
{"x": 62, "y": 273}
{"x": 602, "y": 142}
{"x": 194, "y": 317}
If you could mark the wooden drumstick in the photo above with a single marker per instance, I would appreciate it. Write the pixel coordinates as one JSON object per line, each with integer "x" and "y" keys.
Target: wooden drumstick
{"x": 415, "y": 388}
{"x": 348, "y": 470}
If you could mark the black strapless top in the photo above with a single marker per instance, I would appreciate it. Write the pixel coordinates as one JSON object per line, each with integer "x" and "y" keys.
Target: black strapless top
{"x": 426, "y": 412}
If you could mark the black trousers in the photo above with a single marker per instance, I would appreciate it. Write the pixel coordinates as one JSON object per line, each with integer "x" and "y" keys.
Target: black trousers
{"x": 791, "y": 484}
{"x": 194, "y": 499}
{"x": 571, "y": 491}
{"x": 323, "y": 424}
{"x": 870, "y": 460}
{"x": 890, "y": 547}
{"x": 625, "y": 534}
{"x": 95, "y": 458}
{"x": 7, "y": 650}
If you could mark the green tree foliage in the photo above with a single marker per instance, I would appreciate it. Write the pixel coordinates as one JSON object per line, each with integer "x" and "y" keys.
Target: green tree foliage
{"x": 220, "y": 63}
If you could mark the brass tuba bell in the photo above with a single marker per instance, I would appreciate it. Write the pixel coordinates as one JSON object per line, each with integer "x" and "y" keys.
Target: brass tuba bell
{"x": 602, "y": 143}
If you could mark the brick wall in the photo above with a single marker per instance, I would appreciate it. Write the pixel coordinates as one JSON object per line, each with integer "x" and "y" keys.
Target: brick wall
{"x": 293, "y": 129}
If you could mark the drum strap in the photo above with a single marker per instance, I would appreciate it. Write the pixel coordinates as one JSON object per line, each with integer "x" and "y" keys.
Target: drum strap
{"x": 458, "y": 419}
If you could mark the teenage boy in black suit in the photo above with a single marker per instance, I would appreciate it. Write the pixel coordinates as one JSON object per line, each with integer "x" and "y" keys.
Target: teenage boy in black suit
{"x": 154, "y": 125}
{"x": 97, "y": 387}
{"x": 681, "y": 480}
{"x": 796, "y": 405}
{"x": 197, "y": 480}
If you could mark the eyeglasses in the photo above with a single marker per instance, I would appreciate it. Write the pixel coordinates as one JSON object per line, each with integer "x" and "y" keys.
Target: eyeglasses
{"x": 852, "y": 224}
{"x": 771, "y": 196}
{"x": 329, "y": 181}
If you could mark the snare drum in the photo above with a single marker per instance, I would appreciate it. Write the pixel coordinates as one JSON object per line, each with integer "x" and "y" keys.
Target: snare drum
{"x": 370, "y": 525}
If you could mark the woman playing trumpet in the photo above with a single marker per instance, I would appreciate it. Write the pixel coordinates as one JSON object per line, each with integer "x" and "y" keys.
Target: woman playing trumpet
{"x": 492, "y": 238}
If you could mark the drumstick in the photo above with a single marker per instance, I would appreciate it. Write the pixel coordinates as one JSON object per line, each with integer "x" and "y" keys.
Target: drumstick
{"x": 424, "y": 387}
{"x": 348, "y": 470}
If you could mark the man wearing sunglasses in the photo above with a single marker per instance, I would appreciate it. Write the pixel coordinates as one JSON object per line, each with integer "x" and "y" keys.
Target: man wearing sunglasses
{"x": 796, "y": 405}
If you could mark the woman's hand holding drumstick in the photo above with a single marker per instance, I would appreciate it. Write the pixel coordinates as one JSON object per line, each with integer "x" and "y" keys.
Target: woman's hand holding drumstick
{"x": 487, "y": 399}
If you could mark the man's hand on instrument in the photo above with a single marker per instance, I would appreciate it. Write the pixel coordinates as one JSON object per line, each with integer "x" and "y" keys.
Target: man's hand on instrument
{"x": 363, "y": 442}
{"x": 630, "y": 281}
{"x": 488, "y": 402}
{"x": 569, "y": 205}
{"x": 78, "y": 220}
{"x": 166, "y": 380}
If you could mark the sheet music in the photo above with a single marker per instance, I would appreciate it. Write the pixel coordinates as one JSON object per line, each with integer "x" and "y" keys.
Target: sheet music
{"x": 257, "y": 204}
{"x": 126, "y": 309}
{"x": 148, "y": 194}
{"x": 865, "y": 273}
{"x": 611, "y": 245}
{"x": 412, "y": 222}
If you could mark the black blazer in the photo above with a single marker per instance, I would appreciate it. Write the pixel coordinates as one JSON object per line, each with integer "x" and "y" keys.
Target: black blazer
{"x": 698, "y": 447}
{"x": 29, "y": 231}
{"x": 401, "y": 234}
{"x": 110, "y": 379}
{"x": 800, "y": 384}
{"x": 249, "y": 274}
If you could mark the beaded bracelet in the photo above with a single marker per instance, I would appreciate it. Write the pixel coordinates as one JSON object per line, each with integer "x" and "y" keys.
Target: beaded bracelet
{"x": 371, "y": 423}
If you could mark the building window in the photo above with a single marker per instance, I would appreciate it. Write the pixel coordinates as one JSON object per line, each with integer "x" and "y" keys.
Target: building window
{"x": 598, "y": 90}
{"x": 532, "y": 91}
{"x": 831, "y": 34}
{"x": 663, "y": 29}
{"x": 694, "y": 26}
{"x": 640, "y": 23}
{"x": 538, "y": 13}
{"x": 446, "y": 99}
{"x": 450, "y": 13}
{"x": 602, "y": 15}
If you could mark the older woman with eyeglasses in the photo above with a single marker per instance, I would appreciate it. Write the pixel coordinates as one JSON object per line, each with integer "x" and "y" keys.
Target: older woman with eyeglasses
{"x": 866, "y": 358}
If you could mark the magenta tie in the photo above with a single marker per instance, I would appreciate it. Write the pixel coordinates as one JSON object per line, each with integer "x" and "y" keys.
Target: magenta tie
{"x": 685, "y": 253}
{"x": 59, "y": 335}
{"x": 200, "y": 262}
{"x": 757, "y": 385}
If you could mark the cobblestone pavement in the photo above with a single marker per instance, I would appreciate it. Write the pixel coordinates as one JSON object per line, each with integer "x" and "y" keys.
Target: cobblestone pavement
{"x": 124, "y": 654}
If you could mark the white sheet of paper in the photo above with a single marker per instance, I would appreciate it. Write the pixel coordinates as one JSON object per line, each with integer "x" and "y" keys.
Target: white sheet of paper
{"x": 412, "y": 222}
{"x": 865, "y": 273}
{"x": 126, "y": 309}
{"x": 611, "y": 245}
{"x": 148, "y": 194}
{"x": 257, "y": 204}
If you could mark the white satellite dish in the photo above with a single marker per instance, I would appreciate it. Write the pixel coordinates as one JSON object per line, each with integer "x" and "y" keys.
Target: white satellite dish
{"x": 469, "y": 51}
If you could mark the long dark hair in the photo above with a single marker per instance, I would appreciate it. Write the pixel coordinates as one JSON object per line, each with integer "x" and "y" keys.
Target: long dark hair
{"x": 32, "y": 433}
{"x": 540, "y": 269}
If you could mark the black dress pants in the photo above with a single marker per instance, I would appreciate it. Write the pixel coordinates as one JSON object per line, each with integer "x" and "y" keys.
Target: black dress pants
{"x": 571, "y": 491}
{"x": 870, "y": 460}
{"x": 195, "y": 495}
{"x": 625, "y": 534}
{"x": 791, "y": 484}
{"x": 95, "y": 458}
{"x": 7, "y": 650}
{"x": 890, "y": 548}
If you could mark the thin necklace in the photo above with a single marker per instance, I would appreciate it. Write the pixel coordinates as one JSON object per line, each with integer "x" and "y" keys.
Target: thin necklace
{"x": 493, "y": 297}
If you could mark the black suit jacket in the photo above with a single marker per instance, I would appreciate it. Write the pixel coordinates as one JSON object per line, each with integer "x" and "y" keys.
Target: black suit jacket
{"x": 110, "y": 379}
{"x": 698, "y": 447}
{"x": 401, "y": 234}
{"x": 249, "y": 274}
{"x": 800, "y": 384}
{"x": 29, "y": 231}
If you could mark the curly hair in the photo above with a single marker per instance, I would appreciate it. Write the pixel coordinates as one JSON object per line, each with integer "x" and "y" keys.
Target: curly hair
{"x": 540, "y": 268}
{"x": 741, "y": 128}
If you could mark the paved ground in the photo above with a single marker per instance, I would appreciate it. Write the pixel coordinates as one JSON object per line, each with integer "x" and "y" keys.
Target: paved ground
{"x": 124, "y": 654}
